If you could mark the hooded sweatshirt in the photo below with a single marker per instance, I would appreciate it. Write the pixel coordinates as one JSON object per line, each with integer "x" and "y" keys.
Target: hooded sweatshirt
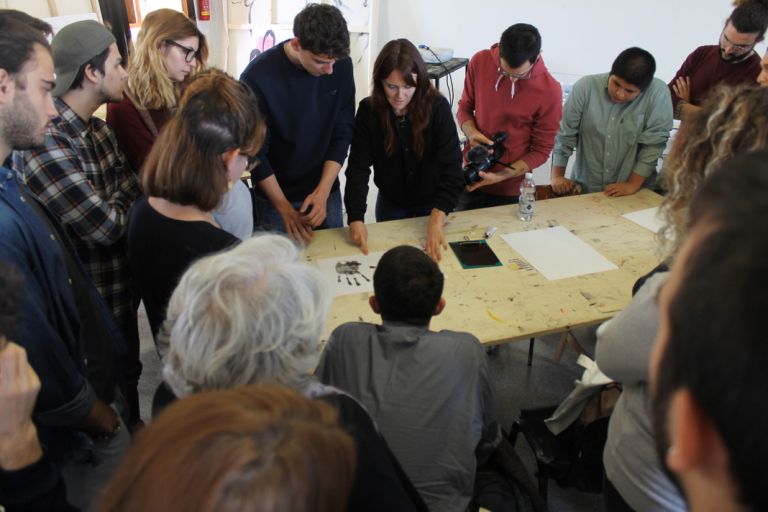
{"x": 528, "y": 110}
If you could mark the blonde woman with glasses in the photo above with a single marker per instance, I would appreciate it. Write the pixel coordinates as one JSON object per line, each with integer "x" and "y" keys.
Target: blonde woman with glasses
{"x": 169, "y": 50}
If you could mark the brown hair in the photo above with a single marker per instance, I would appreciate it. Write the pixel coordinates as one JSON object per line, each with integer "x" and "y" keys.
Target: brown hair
{"x": 258, "y": 447}
{"x": 400, "y": 55}
{"x": 148, "y": 79}
{"x": 216, "y": 114}
{"x": 733, "y": 121}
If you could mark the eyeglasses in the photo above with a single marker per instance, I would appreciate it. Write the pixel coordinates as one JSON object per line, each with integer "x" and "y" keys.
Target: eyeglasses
{"x": 519, "y": 76}
{"x": 190, "y": 54}
{"x": 737, "y": 48}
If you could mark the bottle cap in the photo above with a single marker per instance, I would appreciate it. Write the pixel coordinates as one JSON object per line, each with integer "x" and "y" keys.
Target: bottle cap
{"x": 529, "y": 175}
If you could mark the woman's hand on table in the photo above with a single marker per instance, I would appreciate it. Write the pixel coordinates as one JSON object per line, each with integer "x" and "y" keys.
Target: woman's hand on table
{"x": 358, "y": 235}
{"x": 435, "y": 236}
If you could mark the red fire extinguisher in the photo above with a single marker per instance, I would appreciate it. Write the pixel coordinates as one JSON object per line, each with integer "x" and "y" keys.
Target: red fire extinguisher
{"x": 203, "y": 10}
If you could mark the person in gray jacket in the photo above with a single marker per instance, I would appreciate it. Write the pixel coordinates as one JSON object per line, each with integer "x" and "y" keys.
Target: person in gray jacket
{"x": 730, "y": 122}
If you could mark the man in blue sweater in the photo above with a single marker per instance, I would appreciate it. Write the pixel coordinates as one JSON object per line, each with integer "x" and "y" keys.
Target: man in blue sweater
{"x": 307, "y": 93}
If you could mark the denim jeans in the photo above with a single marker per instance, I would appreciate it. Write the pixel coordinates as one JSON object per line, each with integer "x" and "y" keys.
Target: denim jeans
{"x": 92, "y": 465}
{"x": 268, "y": 218}
{"x": 387, "y": 210}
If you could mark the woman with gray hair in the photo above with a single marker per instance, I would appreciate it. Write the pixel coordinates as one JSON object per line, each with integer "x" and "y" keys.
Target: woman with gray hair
{"x": 255, "y": 314}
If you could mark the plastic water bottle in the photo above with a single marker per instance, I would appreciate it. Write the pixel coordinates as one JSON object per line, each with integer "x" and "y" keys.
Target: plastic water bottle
{"x": 527, "y": 198}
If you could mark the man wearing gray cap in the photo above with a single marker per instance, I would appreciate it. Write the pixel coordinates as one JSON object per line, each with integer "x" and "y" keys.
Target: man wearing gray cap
{"x": 88, "y": 184}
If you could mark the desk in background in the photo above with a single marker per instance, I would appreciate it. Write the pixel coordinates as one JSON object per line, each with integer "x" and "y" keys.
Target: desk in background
{"x": 513, "y": 302}
{"x": 438, "y": 71}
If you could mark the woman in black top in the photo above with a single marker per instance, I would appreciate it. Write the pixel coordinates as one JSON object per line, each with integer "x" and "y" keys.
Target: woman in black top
{"x": 204, "y": 148}
{"x": 405, "y": 130}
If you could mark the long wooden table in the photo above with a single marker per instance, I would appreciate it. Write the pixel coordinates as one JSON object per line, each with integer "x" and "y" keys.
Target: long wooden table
{"x": 514, "y": 301}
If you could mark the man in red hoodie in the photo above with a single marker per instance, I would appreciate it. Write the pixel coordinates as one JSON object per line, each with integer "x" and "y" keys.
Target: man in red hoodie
{"x": 509, "y": 89}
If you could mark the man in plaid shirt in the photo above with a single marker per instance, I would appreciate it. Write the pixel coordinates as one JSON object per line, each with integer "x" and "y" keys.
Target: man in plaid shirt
{"x": 85, "y": 179}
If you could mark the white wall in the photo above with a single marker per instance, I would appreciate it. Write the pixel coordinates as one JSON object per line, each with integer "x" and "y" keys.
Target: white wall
{"x": 579, "y": 37}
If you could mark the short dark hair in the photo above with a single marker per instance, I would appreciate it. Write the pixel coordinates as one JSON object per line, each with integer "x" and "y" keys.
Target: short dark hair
{"x": 408, "y": 285}
{"x": 750, "y": 17}
{"x": 96, "y": 62}
{"x": 520, "y": 43}
{"x": 215, "y": 114}
{"x": 37, "y": 24}
{"x": 322, "y": 30}
{"x": 17, "y": 44}
{"x": 636, "y": 66}
{"x": 717, "y": 342}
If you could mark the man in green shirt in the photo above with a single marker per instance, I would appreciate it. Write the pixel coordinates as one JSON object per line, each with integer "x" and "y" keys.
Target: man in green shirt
{"x": 620, "y": 122}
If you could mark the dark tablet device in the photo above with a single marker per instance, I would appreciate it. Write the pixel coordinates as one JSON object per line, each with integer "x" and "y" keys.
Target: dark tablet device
{"x": 475, "y": 254}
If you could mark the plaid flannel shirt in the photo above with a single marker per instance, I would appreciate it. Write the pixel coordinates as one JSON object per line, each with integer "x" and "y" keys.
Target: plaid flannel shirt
{"x": 85, "y": 180}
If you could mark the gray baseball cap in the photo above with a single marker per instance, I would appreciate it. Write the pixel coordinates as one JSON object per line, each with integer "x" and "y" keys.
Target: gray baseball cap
{"x": 73, "y": 46}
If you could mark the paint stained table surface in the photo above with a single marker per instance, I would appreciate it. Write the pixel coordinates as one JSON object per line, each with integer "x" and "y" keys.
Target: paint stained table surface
{"x": 514, "y": 301}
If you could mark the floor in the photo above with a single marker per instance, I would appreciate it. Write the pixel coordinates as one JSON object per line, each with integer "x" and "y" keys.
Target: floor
{"x": 517, "y": 386}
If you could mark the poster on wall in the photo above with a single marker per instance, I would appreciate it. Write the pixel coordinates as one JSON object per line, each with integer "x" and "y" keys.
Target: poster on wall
{"x": 286, "y": 10}
{"x": 356, "y": 12}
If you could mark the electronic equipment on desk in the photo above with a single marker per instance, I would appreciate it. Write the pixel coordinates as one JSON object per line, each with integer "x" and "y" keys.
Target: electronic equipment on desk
{"x": 433, "y": 55}
{"x": 439, "y": 56}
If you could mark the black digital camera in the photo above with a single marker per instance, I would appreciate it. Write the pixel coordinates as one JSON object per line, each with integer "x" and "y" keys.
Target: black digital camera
{"x": 482, "y": 157}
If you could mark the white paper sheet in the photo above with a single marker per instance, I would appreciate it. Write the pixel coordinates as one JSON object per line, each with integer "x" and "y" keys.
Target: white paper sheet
{"x": 351, "y": 274}
{"x": 648, "y": 218}
{"x": 557, "y": 253}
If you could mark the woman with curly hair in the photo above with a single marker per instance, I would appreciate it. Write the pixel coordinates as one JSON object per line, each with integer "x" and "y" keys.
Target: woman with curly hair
{"x": 733, "y": 121}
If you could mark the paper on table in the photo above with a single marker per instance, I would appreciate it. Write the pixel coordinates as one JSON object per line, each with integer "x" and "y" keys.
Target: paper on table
{"x": 648, "y": 218}
{"x": 351, "y": 274}
{"x": 557, "y": 253}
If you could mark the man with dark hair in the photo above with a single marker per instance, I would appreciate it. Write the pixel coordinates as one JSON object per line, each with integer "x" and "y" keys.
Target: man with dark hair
{"x": 64, "y": 325}
{"x": 620, "y": 122}
{"x": 429, "y": 392}
{"x": 84, "y": 178}
{"x": 732, "y": 61}
{"x": 36, "y": 23}
{"x": 508, "y": 89}
{"x": 708, "y": 365}
{"x": 310, "y": 113}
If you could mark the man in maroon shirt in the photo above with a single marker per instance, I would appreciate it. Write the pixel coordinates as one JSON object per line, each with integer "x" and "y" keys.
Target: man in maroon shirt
{"x": 509, "y": 89}
{"x": 733, "y": 61}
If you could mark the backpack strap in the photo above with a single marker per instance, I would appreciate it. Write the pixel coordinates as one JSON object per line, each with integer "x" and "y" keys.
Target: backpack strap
{"x": 143, "y": 112}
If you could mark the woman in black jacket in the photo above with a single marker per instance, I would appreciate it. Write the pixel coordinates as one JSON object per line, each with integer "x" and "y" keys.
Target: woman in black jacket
{"x": 406, "y": 131}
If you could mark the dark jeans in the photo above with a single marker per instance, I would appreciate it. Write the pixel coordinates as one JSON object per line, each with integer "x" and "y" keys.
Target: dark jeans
{"x": 387, "y": 210}
{"x": 268, "y": 219}
{"x": 478, "y": 199}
